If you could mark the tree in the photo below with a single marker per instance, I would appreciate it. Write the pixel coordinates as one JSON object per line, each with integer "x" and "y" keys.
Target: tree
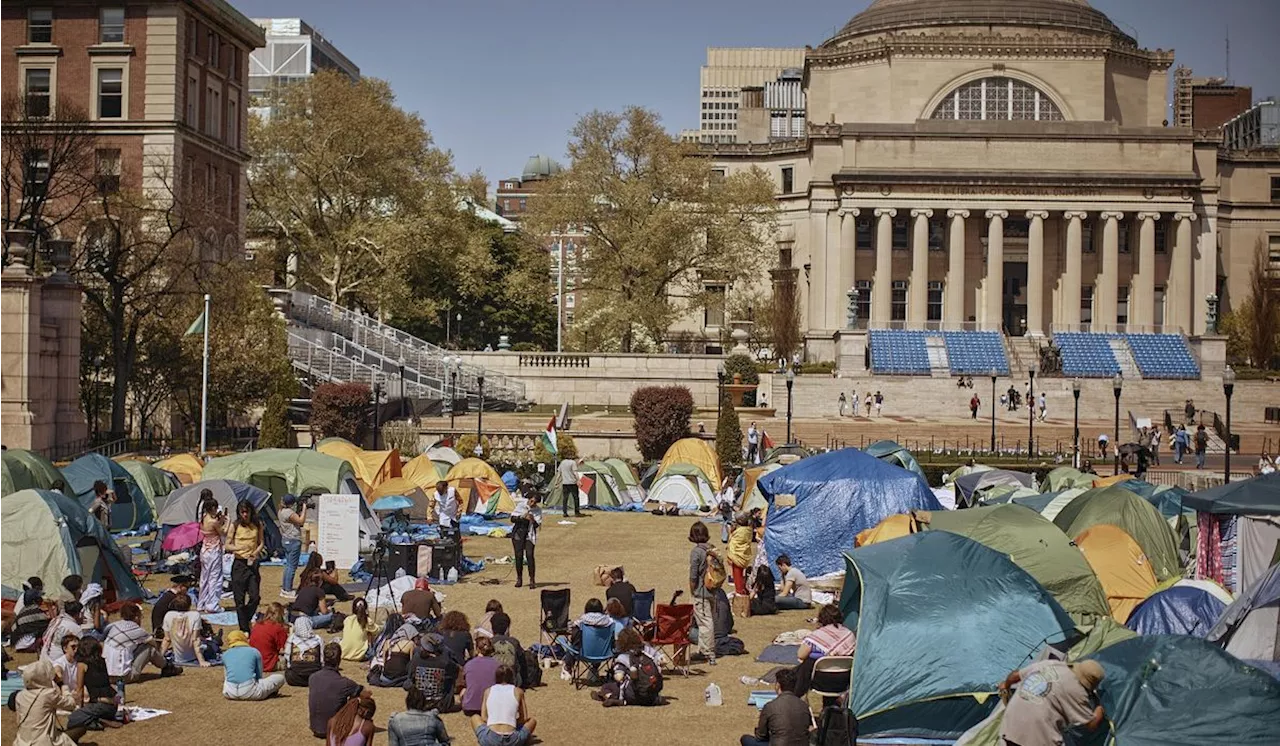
{"x": 661, "y": 224}
{"x": 784, "y": 313}
{"x": 728, "y": 432}
{"x": 341, "y": 410}
{"x": 662, "y": 415}
{"x": 1263, "y": 312}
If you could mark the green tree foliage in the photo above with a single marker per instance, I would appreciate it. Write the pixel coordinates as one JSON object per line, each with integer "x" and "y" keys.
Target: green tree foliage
{"x": 564, "y": 444}
{"x": 662, "y": 415}
{"x": 274, "y": 430}
{"x": 659, "y": 223}
{"x": 341, "y": 410}
{"x": 728, "y": 432}
{"x": 1252, "y": 328}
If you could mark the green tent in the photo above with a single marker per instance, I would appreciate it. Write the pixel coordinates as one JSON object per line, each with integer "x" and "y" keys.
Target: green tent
{"x": 891, "y": 452}
{"x": 1065, "y": 477}
{"x": 1036, "y": 545}
{"x": 604, "y": 484}
{"x": 28, "y": 470}
{"x": 627, "y": 482}
{"x": 131, "y": 510}
{"x": 282, "y": 471}
{"x": 1104, "y": 633}
{"x": 1137, "y": 517}
{"x": 156, "y": 484}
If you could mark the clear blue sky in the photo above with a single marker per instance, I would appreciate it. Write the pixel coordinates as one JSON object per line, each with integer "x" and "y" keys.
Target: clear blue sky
{"x": 498, "y": 80}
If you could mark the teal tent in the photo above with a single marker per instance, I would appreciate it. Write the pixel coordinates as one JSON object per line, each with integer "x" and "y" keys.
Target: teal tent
{"x": 1257, "y": 496}
{"x": 887, "y": 450}
{"x": 131, "y": 509}
{"x": 28, "y": 470}
{"x": 1166, "y": 689}
{"x": 941, "y": 620}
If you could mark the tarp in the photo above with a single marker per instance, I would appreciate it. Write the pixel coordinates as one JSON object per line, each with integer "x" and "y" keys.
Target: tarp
{"x": 183, "y": 506}
{"x": 819, "y": 504}
{"x": 1065, "y": 477}
{"x": 156, "y": 484}
{"x": 1120, "y": 507}
{"x": 131, "y": 508}
{"x": 27, "y": 470}
{"x": 694, "y": 452}
{"x": 371, "y": 467}
{"x": 1171, "y": 689}
{"x": 1100, "y": 482}
{"x": 894, "y": 527}
{"x": 1036, "y": 545}
{"x": 1256, "y": 496}
{"x": 1121, "y": 566}
{"x": 1176, "y": 611}
{"x": 406, "y": 488}
{"x": 891, "y": 452}
{"x": 480, "y": 488}
{"x": 1250, "y": 627}
{"x": 50, "y": 535}
{"x": 939, "y": 618}
{"x": 282, "y": 471}
{"x": 969, "y": 485}
{"x": 187, "y": 466}
{"x": 424, "y": 472}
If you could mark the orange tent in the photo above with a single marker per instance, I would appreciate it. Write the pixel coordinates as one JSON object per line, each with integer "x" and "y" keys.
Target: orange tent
{"x": 1121, "y": 566}
{"x": 1108, "y": 481}
{"x": 892, "y": 527}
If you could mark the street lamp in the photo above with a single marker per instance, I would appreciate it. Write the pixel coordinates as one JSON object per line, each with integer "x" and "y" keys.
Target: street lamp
{"x": 1075, "y": 426}
{"x": 791, "y": 381}
{"x": 402, "y": 402}
{"x": 480, "y": 411}
{"x": 1228, "y": 388}
{"x": 452, "y": 362}
{"x": 994, "y": 375}
{"x": 1117, "y": 384}
{"x": 377, "y": 400}
{"x": 720, "y": 374}
{"x": 1031, "y": 409}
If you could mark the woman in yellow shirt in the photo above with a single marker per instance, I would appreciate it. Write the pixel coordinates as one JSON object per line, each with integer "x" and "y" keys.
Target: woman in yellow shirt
{"x": 358, "y": 630}
{"x": 740, "y": 553}
{"x": 246, "y": 574}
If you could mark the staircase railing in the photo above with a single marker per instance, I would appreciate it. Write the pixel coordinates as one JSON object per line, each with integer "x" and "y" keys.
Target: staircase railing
{"x": 333, "y": 365}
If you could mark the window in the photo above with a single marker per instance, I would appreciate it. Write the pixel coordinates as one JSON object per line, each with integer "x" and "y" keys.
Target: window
{"x": 213, "y": 48}
{"x": 110, "y": 93}
{"x": 901, "y": 232}
{"x": 1123, "y": 237}
{"x": 1273, "y": 254}
{"x": 111, "y": 26}
{"x": 189, "y": 175}
{"x": 1162, "y": 235}
{"x": 213, "y": 112}
{"x": 39, "y": 91}
{"x": 717, "y": 175}
{"x": 230, "y": 191}
{"x": 864, "y": 302}
{"x": 1086, "y": 304}
{"x": 35, "y": 173}
{"x": 788, "y": 179}
{"x": 523, "y": 204}
{"x": 193, "y": 37}
{"x": 934, "y": 311}
{"x": 40, "y": 26}
{"x": 107, "y": 170}
{"x": 233, "y": 122}
{"x": 898, "y": 310}
{"x": 998, "y": 98}
{"x": 863, "y": 236}
{"x": 210, "y": 181}
{"x": 1086, "y": 237}
{"x": 506, "y": 206}
{"x": 193, "y": 101}
{"x": 937, "y": 234}
{"x": 1122, "y": 304}
{"x": 568, "y": 300}
{"x": 1275, "y": 188}
{"x": 714, "y": 314}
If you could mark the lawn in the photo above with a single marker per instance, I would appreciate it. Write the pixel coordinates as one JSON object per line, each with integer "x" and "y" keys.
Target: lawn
{"x": 655, "y": 552}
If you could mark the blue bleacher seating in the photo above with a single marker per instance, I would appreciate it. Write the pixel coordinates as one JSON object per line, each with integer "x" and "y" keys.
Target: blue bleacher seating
{"x": 1086, "y": 355}
{"x": 898, "y": 352}
{"x": 976, "y": 353}
{"x": 1163, "y": 356}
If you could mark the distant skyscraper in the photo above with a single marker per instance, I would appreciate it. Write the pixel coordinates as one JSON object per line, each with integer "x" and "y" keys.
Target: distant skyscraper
{"x": 727, "y": 72}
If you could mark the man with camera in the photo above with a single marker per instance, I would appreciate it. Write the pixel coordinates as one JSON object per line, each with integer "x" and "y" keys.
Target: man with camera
{"x": 291, "y": 522}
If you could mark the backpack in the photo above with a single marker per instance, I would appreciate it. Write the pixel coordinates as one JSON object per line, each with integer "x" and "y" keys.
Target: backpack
{"x": 504, "y": 652}
{"x": 646, "y": 680}
{"x": 836, "y": 726}
{"x": 715, "y": 575}
{"x": 532, "y": 671}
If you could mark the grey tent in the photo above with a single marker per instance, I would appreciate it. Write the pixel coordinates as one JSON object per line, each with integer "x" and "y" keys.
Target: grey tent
{"x": 183, "y": 506}
{"x": 1249, "y": 628}
{"x": 969, "y": 485}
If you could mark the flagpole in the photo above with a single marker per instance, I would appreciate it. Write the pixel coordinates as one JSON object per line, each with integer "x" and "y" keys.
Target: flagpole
{"x": 204, "y": 385}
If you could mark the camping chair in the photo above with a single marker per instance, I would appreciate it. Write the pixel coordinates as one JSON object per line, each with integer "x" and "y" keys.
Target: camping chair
{"x": 596, "y": 649}
{"x": 554, "y": 619}
{"x": 673, "y": 624}
{"x": 832, "y": 675}
{"x": 642, "y": 611}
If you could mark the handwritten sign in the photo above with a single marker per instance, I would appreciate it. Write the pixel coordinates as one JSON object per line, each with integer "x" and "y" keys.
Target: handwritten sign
{"x": 339, "y": 534}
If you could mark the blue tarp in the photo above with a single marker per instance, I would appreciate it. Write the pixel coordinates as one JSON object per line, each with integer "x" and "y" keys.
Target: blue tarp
{"x": 1180, "y": 610}
{"x": 510, "y": 481}
{"x": 837, "y": 495}
{"x": 131, "y": 508}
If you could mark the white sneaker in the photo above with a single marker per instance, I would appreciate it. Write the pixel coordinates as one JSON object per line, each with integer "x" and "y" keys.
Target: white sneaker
{"x": 291, "y": 595}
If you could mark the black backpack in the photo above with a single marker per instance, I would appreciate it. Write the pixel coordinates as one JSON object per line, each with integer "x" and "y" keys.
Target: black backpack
{"x": 836, "y": 726}
{"x": 646, "y": 681}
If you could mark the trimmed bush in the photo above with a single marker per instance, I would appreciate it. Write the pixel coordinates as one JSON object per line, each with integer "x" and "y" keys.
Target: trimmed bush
{"x": 728, "y": 433}
{"x": 466, "y": 446}
{"x": 341, "y": 410}
{"x": 564, "y": 443}
{"x": 662, "y": 416}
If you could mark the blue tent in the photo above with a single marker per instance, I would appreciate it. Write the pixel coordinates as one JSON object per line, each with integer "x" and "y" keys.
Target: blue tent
{"x": 510, "y": 481}
{"x": 1164, "y": 689}
{"x": 941, "y": 620}
{"x": 1180, "y": 610}
{"x": 1166, "y": 499}
{"x": 836, "y": 495}
{"x": 131, "y": 509}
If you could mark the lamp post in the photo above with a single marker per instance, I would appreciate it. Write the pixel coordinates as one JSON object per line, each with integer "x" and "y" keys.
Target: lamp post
{"x": 1228, "y": 388}
{"x": 1075, "y": 424}
{"x": 994, "y": 375}
{"x": 452, "y": 362}
{"x": 1117, "y": 384}
{"x": 377, "y": 400}
{"x": 791, "y": 381}
{"x": 1031, "y": 409}
{"x": 402, "y": 388}
{"x": 480, "y": 412}
{"x": 720, "y": 374}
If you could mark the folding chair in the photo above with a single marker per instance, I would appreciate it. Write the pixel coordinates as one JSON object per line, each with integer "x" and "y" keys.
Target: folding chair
{"x": 596, "y": 649}
{"x": 673, "y": 624}
{"x": 554, "y": 619}
{"x": 642, "y": 611}
{"x": 832, "y": 675}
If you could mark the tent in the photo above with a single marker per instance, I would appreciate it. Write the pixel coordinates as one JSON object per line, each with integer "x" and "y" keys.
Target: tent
{"x": 131, "y": 509}
{"x": 1006, "y": 493}
{"x": 188, "y": 467}
{"x": 371, "y": 467}
{"x": 819, "y": 504}
{"x": 941, "y": 620}
{"x": 693, "y": 452}
{"x": 1120, "y": 507}
{"x": 443, "y": 455}
{"x": 1256, "y": 496}
{"x": 156, "y": 484}
{"x": 406, "y": 488}
{"x": 749, "y": 486}
{"x": 969, "y": 486}
{"x": 683, "y": 485}
{"x": 1166, "y": 689}
{"x": 1250, "y": 627}
{"x": 962, "y": 471}
{"x": 28, "y": 470}
{"x": 1249, "y": 509}
{"x": 894, "y": 527}
{"x": 627, "y": 480}
{"x": 787, "y": 453}
{"x": 891, "y": 452}
{"x": 1061, "y": 500}
{"x": 1180, "y": 610}
{"x": 1036, "y": 545}
{"x": 424, "y": 472}
{"x": 605, "y": 490}
{"x": 1065, "y": 477}
{"x": 183, "y": 506}
{"x": 50, "y": 535}
{"x": 283, "y": 471}
{"x": 1121, "y": 567}
{"x": 480, "y": 488}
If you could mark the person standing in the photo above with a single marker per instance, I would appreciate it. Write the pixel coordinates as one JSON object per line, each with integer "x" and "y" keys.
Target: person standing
{"x": 879, "y": 403}
{"x": 1181, "y": 442}
{"x": 843, "y": 403}
{"x": 446, "y": 498}
{"x": 1044, "y": 406}
{"x": 853, "y": 404}
{"x": 725, "y": 500}
{"x": 753, "y": 444}
{"x": 974, "y": 403}
{"x": 290, "y": 521}
{"x": 703, "y": 597}
{"x": 568, "y": 470}
{"x": 1202, "y": 446}
{"x": 103, "y": 499}
{"x": 741, "y": 553}
{"x": 213, "y": 530}
{"x": 246, "y": 575}
{"x": 526, "y": 519}
{"x": 1155, "y": 447}
{"x": 1103, "y": 441}
{"x": 868, "y": 402}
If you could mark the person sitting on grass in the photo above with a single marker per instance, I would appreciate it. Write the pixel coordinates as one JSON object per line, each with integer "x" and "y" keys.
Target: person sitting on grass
{"x": 96, "y": 695}
{"x": 764, "y": 594}
{"x": 353, "y": 725}
{"x": 419, "y": 724}
{"x": 456, "y": 631}
{"x": 358, "y": 631}
{"x": 796, "y": 593}
{"x": 785, "y": 721}
{"x": 66, "y": 623}
{"x": 183, "y": 635}
{"x": 507, "y": 649}
{"x": 303, "y": 653}
{"x": 422, "y": 605}
{"x": 179, "y": 585}
{"x": 128, "y": 647}
{"x": 326, "y": 578}
{"x": 434, "y": 672}
{"x": 270, "y": 635}
{"x": 485, "y": 627}
{"x": 243, "y": 671}
{"x": 830, "y": 638}
{"x": 390, "y": 666}
{"x": 635, "y": 679}
{"x": 329, "y": 690}
{"x": 37, "y": 707}
{"x": 311, "y": 602}
{"x": 477, "y": 676}
{"x": 65, "y": 664}
{"x": 504, "y": 718}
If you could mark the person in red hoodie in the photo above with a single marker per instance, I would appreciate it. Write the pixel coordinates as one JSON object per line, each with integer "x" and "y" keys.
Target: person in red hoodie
{"x": 269, "y": 636}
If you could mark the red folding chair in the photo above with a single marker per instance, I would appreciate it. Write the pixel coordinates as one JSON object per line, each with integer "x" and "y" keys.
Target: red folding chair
{"x": 673, "y": 624}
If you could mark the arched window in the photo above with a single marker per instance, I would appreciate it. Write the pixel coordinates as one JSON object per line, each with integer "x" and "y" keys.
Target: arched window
{"x": 1000, "y": 99}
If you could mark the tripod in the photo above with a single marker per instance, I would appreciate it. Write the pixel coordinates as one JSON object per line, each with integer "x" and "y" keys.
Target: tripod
{"x": 378, "y": 571}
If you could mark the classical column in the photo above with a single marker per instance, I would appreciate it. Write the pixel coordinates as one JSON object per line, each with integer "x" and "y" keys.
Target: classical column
{"x": 1205, "y": 270}
{"x": 1107, "y": 288}
{"x": 1035, "y": 273}
{"x": 953, "y": 294}
{"x": 817, "y": 268}
{"x": 835, "y": 270}
{"x": 882, "y": 280}
{"x": 993, "y": 290}
{"x": 918, "y": 290}
{"x": 848, "y": 249}
{"x": 1071, "y": 273}
{"x": 1178, "y": 297}
{"x": 1142, "y": 290}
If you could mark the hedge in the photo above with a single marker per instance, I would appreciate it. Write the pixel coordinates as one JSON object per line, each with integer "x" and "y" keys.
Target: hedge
{"x": 661, "y": 417}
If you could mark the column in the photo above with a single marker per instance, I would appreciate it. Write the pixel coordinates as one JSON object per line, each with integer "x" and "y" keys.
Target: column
{"x": 954, "y": 292}
{"x": 1142, "y": 290}
{"x": 1178, "y": 298}
{"x": 882, "y": 280}
{"x": 1107, "y": 288}
{"x": 918, "y": 290}
{"x": 1035, "y": 273}
{"x": 817, "y": 268}
{"x": 1071, "y": 273}
{"x": 835, "y": 268}
{"x": 1205, "y": 271}
{"x": 848, "y": 249}
{"x": 993, "y": 289}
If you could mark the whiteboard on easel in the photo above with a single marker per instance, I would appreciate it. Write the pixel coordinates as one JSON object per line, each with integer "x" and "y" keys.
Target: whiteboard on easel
{"x": 339, "y": 534}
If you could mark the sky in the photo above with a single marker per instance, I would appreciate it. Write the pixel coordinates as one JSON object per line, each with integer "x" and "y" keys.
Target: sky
{"x": 497, "y": 81}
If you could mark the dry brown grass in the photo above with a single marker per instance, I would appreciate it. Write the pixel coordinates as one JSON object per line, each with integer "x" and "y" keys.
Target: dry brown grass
{"x": 654, "y": 551}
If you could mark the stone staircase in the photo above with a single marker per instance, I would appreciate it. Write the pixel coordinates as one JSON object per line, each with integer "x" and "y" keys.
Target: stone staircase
{"x": 1124, "y": 359}
{"x": 939, "y": 363}
{"x": 1022, "y": 351}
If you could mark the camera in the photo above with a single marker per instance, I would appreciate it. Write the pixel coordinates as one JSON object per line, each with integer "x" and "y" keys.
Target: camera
{"x": 307, "y": 502}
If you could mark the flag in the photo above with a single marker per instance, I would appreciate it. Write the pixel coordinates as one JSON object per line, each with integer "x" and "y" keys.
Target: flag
{"x": 766, "y": 441}
{"x": 197, "y": 326}
{"x": 585, "y": 484}
{"x": 549, "y": 438}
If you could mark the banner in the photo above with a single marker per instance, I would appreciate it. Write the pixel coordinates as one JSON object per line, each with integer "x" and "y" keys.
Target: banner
{"x": 338, "y": 537}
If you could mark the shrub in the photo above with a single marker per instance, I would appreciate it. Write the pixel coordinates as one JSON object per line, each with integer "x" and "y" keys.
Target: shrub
{"x": 564, "y": 443}
{"x": 662, "y": 416}
{"x": 403, "y": 437}
{"x": 466, "y": 446}
{"x": 274, "y": 430}
{"x": 341, "y": 410}
{"x": 744, "y": 366}
{"x": 526, "y": 347}
{"x": 728, "y": 433}
{"x": 826, "y": 367}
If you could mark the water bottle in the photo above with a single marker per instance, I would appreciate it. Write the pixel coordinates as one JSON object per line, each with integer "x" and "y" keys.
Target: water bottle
{"x": 712, "y": 696}
{"x": 453, "y": 574}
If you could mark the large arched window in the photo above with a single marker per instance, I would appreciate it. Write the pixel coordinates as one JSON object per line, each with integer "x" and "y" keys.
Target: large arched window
{"x": 998, "y": 98}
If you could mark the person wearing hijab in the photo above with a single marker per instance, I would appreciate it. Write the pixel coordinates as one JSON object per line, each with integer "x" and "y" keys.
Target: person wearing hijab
{"x": 1051, "y": 696}
{"x": 37, "y": 707}
{"x": 245, "y": 679}
{"x": 302, "y": 653}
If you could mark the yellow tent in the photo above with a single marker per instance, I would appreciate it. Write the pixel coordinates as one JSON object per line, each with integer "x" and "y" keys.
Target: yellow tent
{"x": 694, "y": 452}
{"x": 424, "y": 472}
{"x": 186, "y": 466}
{"x": 1121, "y": 567}
{"x": 892, "y": 527}
{"x": 1108, "y": 481}
{"x": 480, "y": 488}
{"x": 371, "y": 467}
{"x": 407, "y": 488}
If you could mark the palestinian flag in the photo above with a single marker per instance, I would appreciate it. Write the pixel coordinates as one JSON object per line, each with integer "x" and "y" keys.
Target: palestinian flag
{"x": 766, "y": 441}
{"x": 549, "y": 438}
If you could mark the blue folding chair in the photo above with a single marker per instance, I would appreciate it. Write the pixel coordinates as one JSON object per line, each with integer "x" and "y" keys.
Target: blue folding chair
{"x": 597, "y": 649}
{"x": 642, "y": 608}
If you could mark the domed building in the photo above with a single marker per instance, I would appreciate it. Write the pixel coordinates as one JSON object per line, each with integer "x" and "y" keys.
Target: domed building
{"x": 1001, "y": 165}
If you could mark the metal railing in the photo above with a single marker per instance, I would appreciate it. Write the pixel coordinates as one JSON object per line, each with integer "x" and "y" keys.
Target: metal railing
{"x": 1117, "y": 328}
{"x": 341, "y": 365}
